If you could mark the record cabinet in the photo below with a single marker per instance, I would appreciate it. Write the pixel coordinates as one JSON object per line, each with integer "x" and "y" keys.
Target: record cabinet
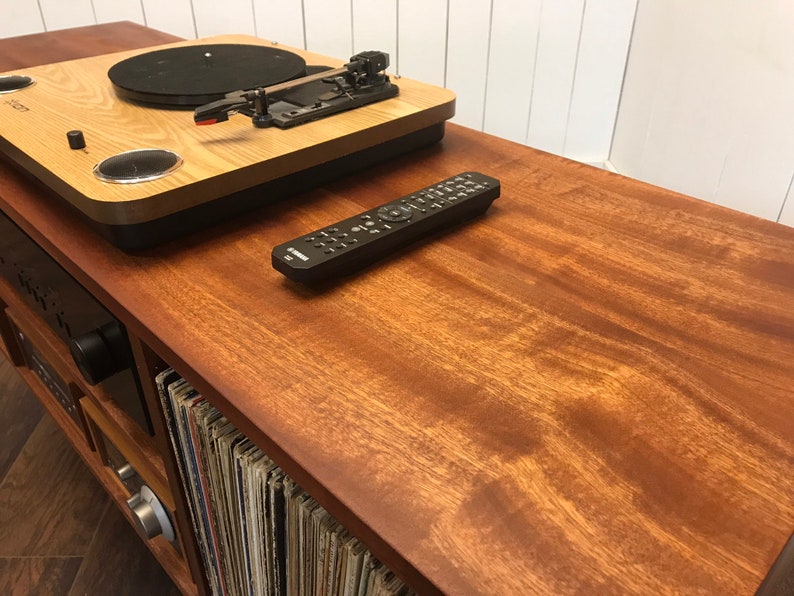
{"x": 555, "y": 398}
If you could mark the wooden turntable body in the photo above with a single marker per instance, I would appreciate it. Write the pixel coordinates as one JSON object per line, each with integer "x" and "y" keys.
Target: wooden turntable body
{"x": 219, "y": 160}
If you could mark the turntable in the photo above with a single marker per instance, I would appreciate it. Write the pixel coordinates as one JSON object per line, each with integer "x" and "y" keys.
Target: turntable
{"x": 116, "y": 135}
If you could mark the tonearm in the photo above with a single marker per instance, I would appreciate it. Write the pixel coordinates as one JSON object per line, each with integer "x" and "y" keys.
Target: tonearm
{"x": 359, "y": 82}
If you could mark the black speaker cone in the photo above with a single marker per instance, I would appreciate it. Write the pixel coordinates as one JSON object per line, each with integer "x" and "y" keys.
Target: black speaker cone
{"x": 138, "y": 165}
{"x": 11, "y": 83}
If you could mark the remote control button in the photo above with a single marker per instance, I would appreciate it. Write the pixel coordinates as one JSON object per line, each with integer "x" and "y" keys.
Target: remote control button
{"x": 355, "y": 229}
{"x": 395, "y": 212}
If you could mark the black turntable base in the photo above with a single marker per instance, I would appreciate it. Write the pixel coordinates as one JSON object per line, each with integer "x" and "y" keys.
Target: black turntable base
{"x": 124, "y": 106}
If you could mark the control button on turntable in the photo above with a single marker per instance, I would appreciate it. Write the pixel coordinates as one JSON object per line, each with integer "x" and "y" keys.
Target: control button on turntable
{"x": 76, "y": 139}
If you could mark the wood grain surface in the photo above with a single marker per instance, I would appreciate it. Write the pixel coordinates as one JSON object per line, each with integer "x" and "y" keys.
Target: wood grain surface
{"x": 589, "y": 389}
{"x": 218, "y": 160}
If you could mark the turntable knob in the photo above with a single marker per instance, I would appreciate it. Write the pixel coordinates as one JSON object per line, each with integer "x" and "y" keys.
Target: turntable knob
{"x": 100, "y": 353}
{"x": 76, "y": 139}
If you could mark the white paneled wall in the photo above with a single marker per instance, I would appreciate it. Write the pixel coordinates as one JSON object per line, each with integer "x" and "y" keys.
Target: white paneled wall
{"x": 173, "y": 16}
{"x": 422, "y": 39}
{"x": 708, "y": 103}
{"x": 107, "y": 11}
{"x": 216, "y": 17}
{"x": 600, "y": 66}
{"x": 280, "y": 20}
{"x": 468, "y": 50}
{"x": 61, "y": 15}
{"x": 546, "y": 73}
{"x": 375, "y": 27}
{"x": 515, "y": 27}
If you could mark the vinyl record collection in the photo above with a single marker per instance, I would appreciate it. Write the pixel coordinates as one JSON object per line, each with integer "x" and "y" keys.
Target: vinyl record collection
{"x": 259, "y": 532}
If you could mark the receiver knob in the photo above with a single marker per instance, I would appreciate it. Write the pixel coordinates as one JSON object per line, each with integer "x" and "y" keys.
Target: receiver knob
{"x": 149, "y": 514}
{"x": 125, "y": 471}
{"x": 100, "y": 353}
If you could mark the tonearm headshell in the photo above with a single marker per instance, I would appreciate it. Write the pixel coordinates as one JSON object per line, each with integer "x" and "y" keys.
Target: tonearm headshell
{"x": 359, "y": 82}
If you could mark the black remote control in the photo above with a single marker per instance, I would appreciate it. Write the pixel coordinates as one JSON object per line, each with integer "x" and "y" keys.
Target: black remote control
{"x": 347, "y": 246}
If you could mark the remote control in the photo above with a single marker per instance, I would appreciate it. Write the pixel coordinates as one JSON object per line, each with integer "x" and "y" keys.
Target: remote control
{"x": 351, "y": 244}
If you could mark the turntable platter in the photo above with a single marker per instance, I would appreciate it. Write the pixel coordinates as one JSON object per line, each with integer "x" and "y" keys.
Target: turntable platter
{"x": 191, "y": 76}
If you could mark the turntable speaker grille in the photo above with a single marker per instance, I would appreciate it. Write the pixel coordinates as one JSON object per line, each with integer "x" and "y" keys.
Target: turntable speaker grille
{"x": 138, "y": 165}
{"x": 9, "y": 83}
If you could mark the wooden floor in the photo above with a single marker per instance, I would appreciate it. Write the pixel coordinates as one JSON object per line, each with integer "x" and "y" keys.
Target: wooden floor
{"x": 59, "y": 531}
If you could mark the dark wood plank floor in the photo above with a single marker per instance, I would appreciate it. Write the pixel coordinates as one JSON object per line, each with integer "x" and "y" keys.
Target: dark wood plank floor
{"x": 59, "y": 532}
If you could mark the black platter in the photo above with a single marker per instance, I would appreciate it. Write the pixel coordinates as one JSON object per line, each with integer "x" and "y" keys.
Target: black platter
{"x": 190, "y": 76}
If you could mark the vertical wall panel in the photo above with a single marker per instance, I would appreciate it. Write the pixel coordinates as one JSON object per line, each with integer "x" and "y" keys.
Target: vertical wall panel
{"x": 422, "y": 31}
{"x": 467, "y": 58}
{"x": 280, "y": 20}
{"x": 20, "y": 17}
{"x": 708, "y": 102}
{"x": 511, "y": 67}
{"x": 60, "y": 14}
{"x": 329, "y": 27}
{"x": 654, "y": 42}
{"x": 560, "y": 25}
{"x": 787, "y": 213}
{"x": 174, "y": 16}
{"x": 600, "y": 64}
{"x": 760, "y": 163}
{"x": 375, "y": 28}
{"x": 108, "y": 11}
{"x": 228, "y": 16}
{"x": 691, "y": 127}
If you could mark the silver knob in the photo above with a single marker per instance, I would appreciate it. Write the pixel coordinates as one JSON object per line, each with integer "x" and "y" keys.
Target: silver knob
{"x": 125, "y": 472}
{"x": 149, "y": 514}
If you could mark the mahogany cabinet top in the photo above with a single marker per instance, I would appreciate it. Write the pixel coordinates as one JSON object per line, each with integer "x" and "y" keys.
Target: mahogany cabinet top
{"x": 587, "y": 389}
